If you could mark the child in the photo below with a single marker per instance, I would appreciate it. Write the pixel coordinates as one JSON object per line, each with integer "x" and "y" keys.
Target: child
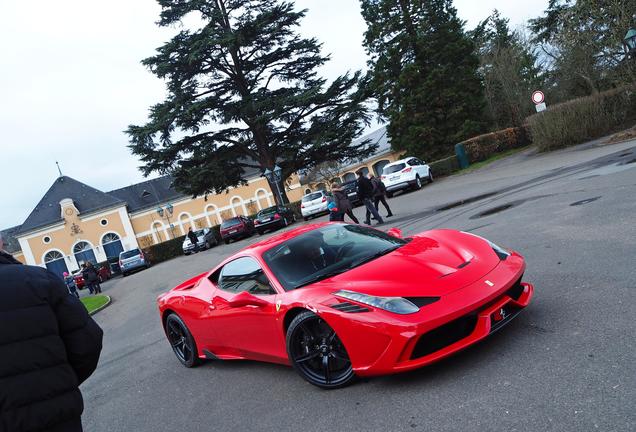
{"x": 335, "y": 215}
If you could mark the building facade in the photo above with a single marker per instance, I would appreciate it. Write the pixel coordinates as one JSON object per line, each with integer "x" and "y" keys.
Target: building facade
{"x": 75, "y": 223}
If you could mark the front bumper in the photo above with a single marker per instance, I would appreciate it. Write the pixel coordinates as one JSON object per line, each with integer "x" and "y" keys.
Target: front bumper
{"x": 380, "y": 343}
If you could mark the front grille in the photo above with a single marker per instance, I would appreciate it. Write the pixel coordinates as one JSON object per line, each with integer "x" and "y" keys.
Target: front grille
{"x": 349, "y": 307}
{"x": 516, "y": 290}
{"x": 444, "y": 336}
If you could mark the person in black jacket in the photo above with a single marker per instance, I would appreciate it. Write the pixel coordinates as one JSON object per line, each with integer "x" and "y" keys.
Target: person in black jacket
{"x": 342, "y": 203}
{"x": 193, "y": 239}
{"x": 379, "y": 194}
{"x": 365, "y": 193}
{"x": 48, "y": 346}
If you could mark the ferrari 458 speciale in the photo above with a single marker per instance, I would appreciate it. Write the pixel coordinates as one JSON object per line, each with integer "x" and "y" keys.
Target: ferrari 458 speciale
{"x": 336, "y": 301}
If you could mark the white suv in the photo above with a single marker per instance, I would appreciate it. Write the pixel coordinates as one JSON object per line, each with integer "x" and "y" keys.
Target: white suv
{"x": 405, "y": 174}
{"x": 314, "y": 203}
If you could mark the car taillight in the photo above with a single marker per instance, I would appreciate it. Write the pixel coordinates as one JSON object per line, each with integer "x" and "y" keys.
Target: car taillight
{"x": 382, "y": 177}
{"x": 324, "y": 199}
{"x": 141, "y": 255}
{"x": 302, "y": 206}
{"x": 256, "y": 222}
{"x": 120, "y": 263}
{"x": 405, "y": 170}
{"x": 276, "y": 216}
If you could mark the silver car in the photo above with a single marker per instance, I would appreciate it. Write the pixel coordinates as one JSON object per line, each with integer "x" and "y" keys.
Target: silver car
{"x": 315, "y": 203}
{"x": 131, "y": 260}
{"x": 205, "y": 240}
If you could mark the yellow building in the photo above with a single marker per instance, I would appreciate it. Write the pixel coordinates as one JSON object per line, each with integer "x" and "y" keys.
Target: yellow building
{"x": 74, "y": 222}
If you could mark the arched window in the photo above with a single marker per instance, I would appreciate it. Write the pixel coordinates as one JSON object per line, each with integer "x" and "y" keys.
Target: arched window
{"x": 379, "y": 166}
{"x": 349, "y": 177}
{"x": 112, "y": 245}
{"x": 84, "y": 252}
{"x": 54, "y": 262}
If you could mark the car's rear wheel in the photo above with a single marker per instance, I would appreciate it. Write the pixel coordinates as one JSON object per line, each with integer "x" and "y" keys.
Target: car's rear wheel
{"x": 305, "y": 218}
{"x": 418, "y": 182}
{"x": 316, "y": 352}
{"x": 181, "y": 341}
{"x": 226, "y": 241}
{"x": 389, "y": 194}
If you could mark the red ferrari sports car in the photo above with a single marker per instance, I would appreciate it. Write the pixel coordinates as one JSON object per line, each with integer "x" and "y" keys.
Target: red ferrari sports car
{"x": 336, "y": 301}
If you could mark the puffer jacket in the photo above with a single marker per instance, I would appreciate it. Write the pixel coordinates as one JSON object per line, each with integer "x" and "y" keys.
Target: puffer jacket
{"x": 48, "y": 346}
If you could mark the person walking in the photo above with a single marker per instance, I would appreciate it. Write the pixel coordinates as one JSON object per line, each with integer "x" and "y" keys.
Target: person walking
{"x": 343, "y": 203}
{"x": 91, "y": 277}
{"x": 87, "y": 284}
{"x": 51, "y": 346}
{"x": 365, "y": 193}
{"x": 69, "y": 280}
{"x": 193, "y": 239}
{"x": 379, "y": 194}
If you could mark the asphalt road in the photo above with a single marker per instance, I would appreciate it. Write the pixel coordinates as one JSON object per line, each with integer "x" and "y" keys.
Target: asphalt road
{"x": 567, "y": 363}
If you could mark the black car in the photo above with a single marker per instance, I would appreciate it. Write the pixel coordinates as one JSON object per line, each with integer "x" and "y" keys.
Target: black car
{"x": 351, "y": 189}
{"x": 273, "y": 217}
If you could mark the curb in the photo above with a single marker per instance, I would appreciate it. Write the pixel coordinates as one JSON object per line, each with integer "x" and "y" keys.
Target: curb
{"x": 108, "y": 302}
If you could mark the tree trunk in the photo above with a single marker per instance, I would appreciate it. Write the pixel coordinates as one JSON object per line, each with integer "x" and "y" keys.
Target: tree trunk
{"x": 275, "y": 188}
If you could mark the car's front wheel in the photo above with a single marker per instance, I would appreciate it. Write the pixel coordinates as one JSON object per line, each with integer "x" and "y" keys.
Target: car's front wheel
{"x": 181, "y": 341}
{"x": 316, "y": 352}
{"x": 430, "y": 176}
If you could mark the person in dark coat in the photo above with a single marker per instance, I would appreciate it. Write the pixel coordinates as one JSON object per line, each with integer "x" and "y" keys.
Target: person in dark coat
{"x": 365, "y": 193}
{"x": 193, "y": 239}
{"x": 49, "y": 345}
{"x": 91, "y": 278}
{"x": 379, "y": 194}
{"x": 342, "y": 203}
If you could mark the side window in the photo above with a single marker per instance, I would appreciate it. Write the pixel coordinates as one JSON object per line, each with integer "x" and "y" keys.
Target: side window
{"x": 244, "y": 274}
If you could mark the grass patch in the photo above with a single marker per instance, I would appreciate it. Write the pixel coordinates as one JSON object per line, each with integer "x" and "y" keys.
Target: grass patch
{"x": 491, "y": 159}
{"x": 93, "y": 303}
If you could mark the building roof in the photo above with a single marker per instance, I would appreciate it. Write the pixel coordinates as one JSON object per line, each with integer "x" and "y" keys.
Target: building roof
{"x": 147, "y": 194}
{"x": 86, "y": 198}
{"x": 11, "y": 244}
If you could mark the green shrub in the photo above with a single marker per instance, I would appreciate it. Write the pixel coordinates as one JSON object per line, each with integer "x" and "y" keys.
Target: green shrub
{"x": 484, "y": 146}
{"x": 583, "y": 119}
{"x": 164, "y": 251}
{"x": 444, "y": 166}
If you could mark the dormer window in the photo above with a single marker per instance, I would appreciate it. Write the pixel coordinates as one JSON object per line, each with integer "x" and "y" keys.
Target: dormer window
{"x": 145, "y": 194}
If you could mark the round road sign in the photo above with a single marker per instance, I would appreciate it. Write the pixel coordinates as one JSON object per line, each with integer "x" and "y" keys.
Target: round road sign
{"x": 538, "y": 97}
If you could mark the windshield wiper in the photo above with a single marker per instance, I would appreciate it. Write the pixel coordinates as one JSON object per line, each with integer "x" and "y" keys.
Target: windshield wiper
{"x": 372, "y": 257}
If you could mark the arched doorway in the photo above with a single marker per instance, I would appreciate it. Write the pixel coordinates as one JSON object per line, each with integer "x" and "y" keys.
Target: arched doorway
{"x": 83, "y": 252}
{"x": 379, "y": 166}
{"x": 159, "y": 233}
{"x": 321, "y": 186}
{"x": 54, "y": 261}
{"x": 349, "y": 177}
{"x": 112, "y": 245}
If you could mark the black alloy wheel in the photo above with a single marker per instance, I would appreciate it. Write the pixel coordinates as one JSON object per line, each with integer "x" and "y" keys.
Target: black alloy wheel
{"x": 181, "y": 341}
{"x": 317, "y": 354}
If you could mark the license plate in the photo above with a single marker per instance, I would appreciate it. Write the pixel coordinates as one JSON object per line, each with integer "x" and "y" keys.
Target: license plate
{"x": 352, "y": 194}
{"x": 394, "y": 178}
{"x": 267, "y": 220}
{"x": 233, "y": 231}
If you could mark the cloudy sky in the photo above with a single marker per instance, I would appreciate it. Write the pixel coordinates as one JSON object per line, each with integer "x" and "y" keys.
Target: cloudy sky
{"x": 71, "y": 81}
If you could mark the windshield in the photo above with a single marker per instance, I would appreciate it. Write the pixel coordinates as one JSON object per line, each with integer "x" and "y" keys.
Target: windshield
{"x": 326, "y": 252}
{"x": 199, "y": 233}
{"x": 312, "y": 196}
{"x": 390, "y": 169}
{"x": 230, "y": 223}
{"x": 130, "y": 253}
{"x": 267, "y": 211}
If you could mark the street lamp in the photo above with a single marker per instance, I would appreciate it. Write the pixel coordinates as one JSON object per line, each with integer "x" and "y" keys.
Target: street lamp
{"x": 629, "y": 41}
{"x": 167, "y": 212}
{"x": 275, "y": 177}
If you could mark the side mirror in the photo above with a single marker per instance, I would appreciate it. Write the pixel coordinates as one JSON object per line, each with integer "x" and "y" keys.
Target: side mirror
{"x": 246, "y": 299}
{"x": 395, "y": 232}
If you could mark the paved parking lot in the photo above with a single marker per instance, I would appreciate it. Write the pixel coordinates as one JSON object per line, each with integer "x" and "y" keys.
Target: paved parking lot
{"x": 567, "y": 363}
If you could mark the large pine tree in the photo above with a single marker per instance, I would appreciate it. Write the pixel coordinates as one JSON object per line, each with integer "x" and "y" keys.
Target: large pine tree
{"x": 243, "y": 93}
{"x": 424, "y": 74}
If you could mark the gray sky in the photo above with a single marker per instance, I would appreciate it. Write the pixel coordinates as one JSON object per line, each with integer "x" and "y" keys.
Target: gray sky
{"x": 71, "y": 81}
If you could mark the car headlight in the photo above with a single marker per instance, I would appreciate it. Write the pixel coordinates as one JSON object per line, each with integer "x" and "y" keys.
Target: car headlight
{"x": 396, "y": 305}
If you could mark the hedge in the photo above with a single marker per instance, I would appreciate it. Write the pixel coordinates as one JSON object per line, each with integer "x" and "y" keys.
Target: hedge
{"x": 164, "y": 251}
{"x": 485, "y": 146}
{"x": 583, "y": 119}
{"x": 444, "y": 166}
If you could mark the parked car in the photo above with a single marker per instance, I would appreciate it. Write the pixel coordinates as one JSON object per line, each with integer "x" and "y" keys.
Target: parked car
{"x": 404, "y": 174}
{"x": 315, "y": 203}
{"x": 103, "y": 272}
{"x": 273, "y": 217}
{"x": 237, "y": 227}
{"x": 131, "y": 260}
{"x": 205, "y": 240}
{"x": 351, "y": 189}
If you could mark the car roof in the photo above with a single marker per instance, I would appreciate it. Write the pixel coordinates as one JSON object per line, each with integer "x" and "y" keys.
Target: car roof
{"x": 400, "y": 161}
